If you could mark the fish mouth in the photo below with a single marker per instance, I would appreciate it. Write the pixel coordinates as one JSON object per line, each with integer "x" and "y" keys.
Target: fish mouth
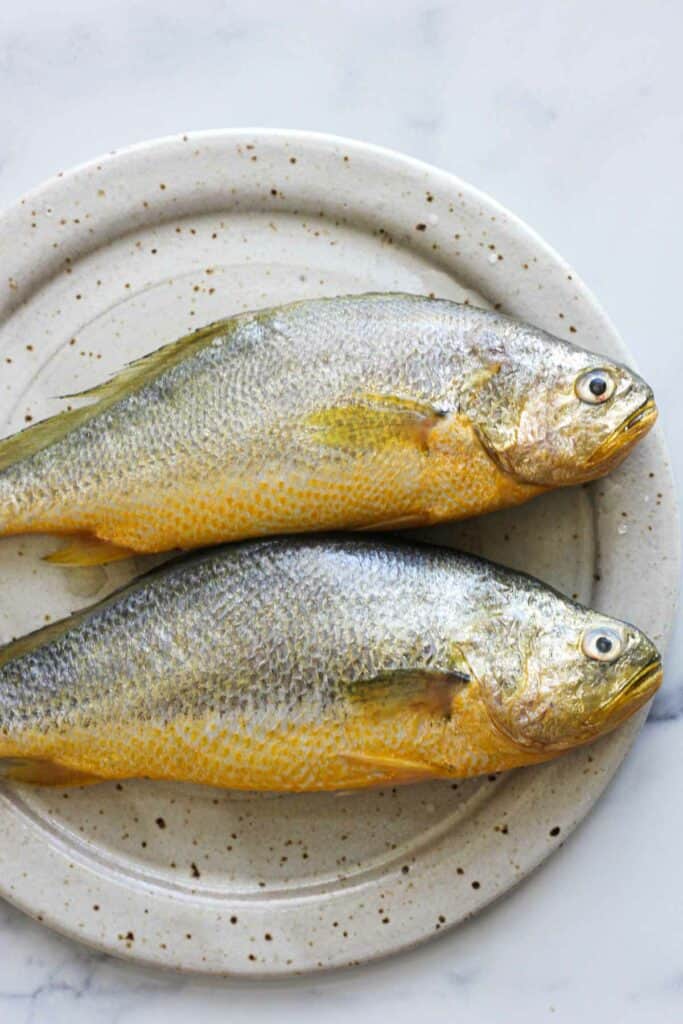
{"x": 619, "y": 443}
{"x": 642, "y": 685}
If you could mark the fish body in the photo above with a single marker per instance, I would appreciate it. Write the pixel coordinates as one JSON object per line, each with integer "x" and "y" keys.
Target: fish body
{"x": 317, "y": 663}
{"x": 360, "y": 412}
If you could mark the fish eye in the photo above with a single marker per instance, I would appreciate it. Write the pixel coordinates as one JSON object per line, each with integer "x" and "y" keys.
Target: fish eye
{"x": 602, "y": 643}
{"x": 595, "y": 386}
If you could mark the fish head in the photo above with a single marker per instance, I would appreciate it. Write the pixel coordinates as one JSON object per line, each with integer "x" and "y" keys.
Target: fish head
{"x": 553, "y": 414}
{"x": 555, "y": 675}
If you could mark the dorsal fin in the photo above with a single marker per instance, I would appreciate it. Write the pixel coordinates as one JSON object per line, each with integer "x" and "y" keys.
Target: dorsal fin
{"x": 131, "y": 378}
{"x": 141, "y": 371}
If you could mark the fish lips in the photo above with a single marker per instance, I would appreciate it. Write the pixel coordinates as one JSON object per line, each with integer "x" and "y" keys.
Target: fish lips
{"x": 619, "y": 443}
{"x": 605, "y": 457}
{"x": 638, "y": 689}
{"x": 641, "y": 686}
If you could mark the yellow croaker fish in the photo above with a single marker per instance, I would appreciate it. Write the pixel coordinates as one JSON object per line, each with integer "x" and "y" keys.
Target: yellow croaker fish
{"x": 366, "y": 411}
{"x": 317, "y": 663}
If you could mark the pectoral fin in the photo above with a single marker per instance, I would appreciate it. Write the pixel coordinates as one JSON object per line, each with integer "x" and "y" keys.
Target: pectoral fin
{"x": 431, "y": 690}
{"x": 82, "y": 551}
{"x": 374, "y": 422}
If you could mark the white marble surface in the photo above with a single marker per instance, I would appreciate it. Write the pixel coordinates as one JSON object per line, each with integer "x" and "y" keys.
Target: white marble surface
{"x": 571, "y": 116}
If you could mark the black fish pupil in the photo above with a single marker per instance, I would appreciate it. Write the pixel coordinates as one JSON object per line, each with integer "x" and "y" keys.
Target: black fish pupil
{"x": 597, "y": 386}
{"x": 603, "y": 644}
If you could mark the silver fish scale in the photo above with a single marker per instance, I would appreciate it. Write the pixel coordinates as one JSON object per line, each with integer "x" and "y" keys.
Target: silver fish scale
{"x": 274, "y": 631}
{"x": 257, "y": 638}
{"x": 252, "y": 383}
{"x": 239, "y": 406}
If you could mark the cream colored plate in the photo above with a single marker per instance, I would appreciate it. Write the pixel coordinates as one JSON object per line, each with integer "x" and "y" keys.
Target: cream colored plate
{"x": 115, "y": 258}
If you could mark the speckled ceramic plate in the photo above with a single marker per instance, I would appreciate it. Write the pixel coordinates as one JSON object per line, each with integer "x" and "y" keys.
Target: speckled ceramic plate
{"x": 115, "y": 258}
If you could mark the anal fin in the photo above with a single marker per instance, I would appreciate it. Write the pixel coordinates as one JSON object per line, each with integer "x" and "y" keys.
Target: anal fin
{"x": 393, "y": 769}
{"x": 84, "y": 551}
{"x": 43, "y": 773}
{"x": 400, "y": 523}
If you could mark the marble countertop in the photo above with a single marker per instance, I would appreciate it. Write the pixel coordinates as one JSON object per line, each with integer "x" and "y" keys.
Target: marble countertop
{"x": 572, "y": 118}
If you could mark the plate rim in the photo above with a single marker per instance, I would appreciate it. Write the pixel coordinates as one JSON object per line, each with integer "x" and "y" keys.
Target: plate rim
{"x": 398, "y": 160}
